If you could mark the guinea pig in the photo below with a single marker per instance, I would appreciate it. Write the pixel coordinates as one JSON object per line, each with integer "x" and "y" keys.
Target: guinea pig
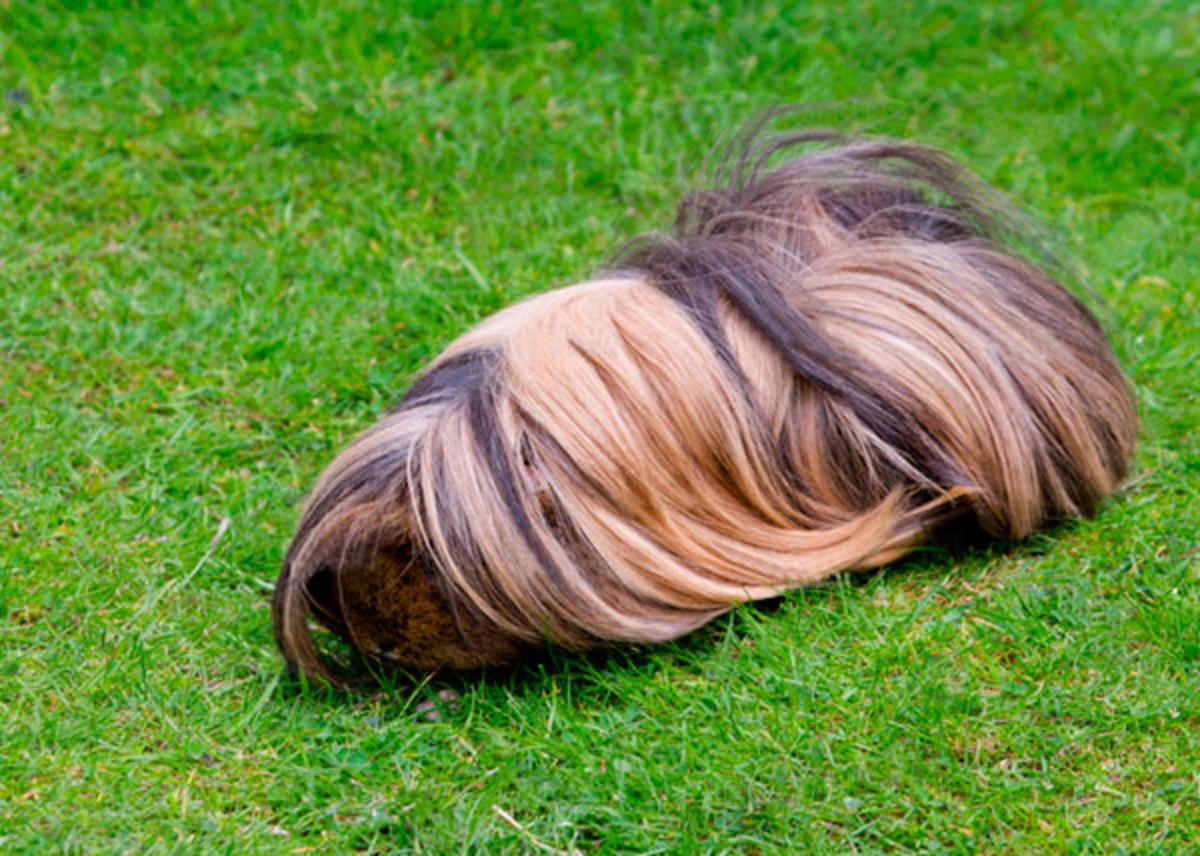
{"x": 845, "y": 346}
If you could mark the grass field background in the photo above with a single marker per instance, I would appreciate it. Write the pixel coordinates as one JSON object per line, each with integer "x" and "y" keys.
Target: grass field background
{"x": 230, "y": 233}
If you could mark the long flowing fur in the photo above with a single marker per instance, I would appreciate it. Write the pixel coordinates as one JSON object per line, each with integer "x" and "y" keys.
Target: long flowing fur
{"x": 825, "y": 362}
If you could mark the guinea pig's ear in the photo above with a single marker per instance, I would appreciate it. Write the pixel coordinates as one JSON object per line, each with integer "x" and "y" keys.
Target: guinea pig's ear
{"x": 324, "y": 600}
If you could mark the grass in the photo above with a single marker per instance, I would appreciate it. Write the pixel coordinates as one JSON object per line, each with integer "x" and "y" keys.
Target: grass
{"x": 229, "y": 234}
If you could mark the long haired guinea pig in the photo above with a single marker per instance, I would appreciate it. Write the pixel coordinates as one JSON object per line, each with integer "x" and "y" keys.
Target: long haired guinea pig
{"x": 830, "y": 357}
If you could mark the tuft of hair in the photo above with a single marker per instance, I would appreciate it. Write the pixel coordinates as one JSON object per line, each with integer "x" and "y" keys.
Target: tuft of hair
{"x": 826, "y": 361}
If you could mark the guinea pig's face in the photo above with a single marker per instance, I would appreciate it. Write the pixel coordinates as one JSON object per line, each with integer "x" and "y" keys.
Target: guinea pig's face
{"x": 390, "y": 608}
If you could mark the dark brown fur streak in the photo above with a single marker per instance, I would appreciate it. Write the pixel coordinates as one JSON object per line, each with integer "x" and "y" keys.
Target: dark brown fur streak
{"x": 830, "y": 359}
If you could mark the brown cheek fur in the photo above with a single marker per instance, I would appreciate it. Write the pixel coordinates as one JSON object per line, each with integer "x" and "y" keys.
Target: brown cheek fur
{"x": 389, "y": 609}
{"x": 824, "y": 365}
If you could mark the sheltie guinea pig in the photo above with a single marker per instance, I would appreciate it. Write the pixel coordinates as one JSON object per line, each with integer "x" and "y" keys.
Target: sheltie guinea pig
{"x": 832, "y": 356}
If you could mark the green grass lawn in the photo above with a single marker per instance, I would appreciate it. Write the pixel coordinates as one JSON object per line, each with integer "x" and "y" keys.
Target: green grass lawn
{"x": 230, "y": 233}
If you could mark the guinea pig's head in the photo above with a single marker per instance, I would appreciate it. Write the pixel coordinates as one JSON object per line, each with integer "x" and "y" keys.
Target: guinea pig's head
{"x": 364, "y": 560}
{"x": 503, "y": 502}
